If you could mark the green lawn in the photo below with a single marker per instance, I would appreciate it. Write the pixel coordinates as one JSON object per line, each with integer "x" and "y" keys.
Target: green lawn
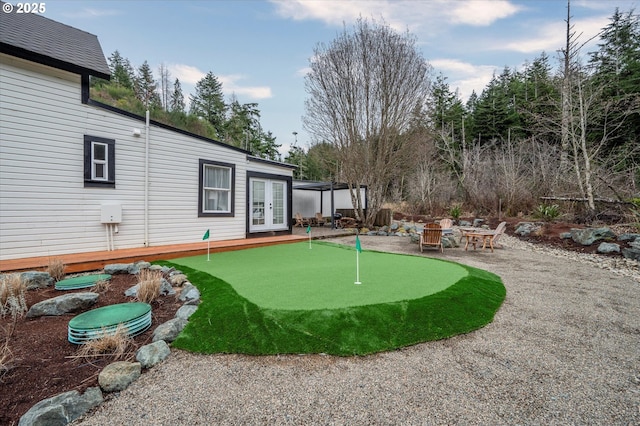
{"x": 291, "y": 299}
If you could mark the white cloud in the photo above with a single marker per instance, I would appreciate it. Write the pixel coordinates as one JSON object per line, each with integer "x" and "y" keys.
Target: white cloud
{"x": 89, "y": 13}
{"x": 552, "y": 36}
{"x": 463, "y": 76}
{"x": 302, "y": 72}
{"x": 191, "y": 75}
{"x": 399, "y": 14}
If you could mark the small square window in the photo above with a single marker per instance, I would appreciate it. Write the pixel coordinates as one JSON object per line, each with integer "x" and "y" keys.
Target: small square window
{"x": 99, "y": 162}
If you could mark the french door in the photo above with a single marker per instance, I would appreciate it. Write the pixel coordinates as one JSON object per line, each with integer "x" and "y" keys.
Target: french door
{"x": 267, "y": 205}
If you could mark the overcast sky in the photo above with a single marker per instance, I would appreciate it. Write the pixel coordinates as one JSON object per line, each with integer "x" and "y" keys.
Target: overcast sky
{"x": 260, "y": 50}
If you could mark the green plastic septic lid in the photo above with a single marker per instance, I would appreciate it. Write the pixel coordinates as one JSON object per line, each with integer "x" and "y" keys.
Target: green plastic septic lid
{"x": 82, "y": 281}
{"x": 109, "y": 316}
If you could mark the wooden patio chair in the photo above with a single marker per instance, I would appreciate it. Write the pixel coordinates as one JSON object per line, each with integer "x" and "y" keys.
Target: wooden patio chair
{"x": 302, "y": 222}
{"x": 431, "y": 236}
{"x": 447, "y": 226}
{"x": 496, "y": 235}
{"x": 320, "y": 220}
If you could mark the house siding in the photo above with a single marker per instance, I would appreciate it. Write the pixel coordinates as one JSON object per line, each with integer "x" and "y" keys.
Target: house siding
{"x": 45, "y": 208}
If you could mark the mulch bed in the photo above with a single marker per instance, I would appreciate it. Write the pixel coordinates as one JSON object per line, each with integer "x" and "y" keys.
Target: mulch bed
{"x": 42, "y": 365}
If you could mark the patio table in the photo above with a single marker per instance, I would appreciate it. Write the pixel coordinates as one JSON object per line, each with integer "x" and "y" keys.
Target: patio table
{"x": 473, "y": 235}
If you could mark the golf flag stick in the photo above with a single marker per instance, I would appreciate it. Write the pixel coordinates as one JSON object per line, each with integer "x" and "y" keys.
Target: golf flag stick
{"x": 206, "y": 237}
{"x": 358, "y": 251}
{"x": 309, "y": 232}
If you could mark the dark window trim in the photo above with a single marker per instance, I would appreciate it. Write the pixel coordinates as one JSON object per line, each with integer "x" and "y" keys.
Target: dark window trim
{"x": 232, "y": 201}
{"x": 111, "y": 163}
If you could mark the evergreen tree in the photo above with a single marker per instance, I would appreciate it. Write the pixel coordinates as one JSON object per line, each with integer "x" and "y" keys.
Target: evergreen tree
{"x": 176, "y": 103}
{"x": 146, "y": 87}
{"x": 121, "y": 71}
{"x": 208, "y": 102}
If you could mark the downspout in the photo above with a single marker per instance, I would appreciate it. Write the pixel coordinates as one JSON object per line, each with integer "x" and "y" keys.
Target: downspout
{"x": 146, "y": 180}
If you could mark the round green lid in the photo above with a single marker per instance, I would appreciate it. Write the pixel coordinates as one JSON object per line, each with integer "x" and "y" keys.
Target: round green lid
{"x": 109, "y": 316}
{"x": 81, "y": 281}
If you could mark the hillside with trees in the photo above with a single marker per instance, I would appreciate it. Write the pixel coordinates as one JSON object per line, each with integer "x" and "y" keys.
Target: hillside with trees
{"x": 209, "y": 114}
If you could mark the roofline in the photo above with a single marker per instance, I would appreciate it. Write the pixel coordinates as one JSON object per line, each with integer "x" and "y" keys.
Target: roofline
{"x": 251, "y": 157}
{"x": 38, "y": 58}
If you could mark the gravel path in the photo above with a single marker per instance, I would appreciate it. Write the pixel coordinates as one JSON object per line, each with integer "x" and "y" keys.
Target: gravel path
{"x": 564, "y": 349}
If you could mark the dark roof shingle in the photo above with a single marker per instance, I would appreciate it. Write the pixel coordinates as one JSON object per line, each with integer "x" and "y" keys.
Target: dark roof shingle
{"x": 34, "y": 37}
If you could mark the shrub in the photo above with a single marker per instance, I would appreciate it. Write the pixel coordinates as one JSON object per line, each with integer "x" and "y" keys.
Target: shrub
{"x": 455, "y": 211}
{"x": 107, "y": 344}
{"x": 56, "y": 268}
{"x": 547, "y": 212}
{"x": 6, "y": 357}
{"x": 149, "y": 286}
{"x": 12, "y": 296}
{"x": 101, "y": 286}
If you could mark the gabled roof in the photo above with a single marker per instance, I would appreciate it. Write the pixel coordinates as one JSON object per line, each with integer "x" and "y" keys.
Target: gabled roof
{"x": 42, "y": 40}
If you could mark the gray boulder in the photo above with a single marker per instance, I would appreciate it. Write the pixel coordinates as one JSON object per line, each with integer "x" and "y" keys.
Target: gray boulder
{"x": 477, "y": 223}
{"x": 608, "y": 248}
{"x": 394, "y": 226}
{"x": 565, "y": 235}
{"x": 189, "y": 293}
{"x": 117, "y": 268}
{"x": 628, "y": 237}
{"x": 119, "y": 375}
{"x": 178, "y": 280}
{"x": 61, "y": 409}
{"x": 186, "y": 311}
{"x": 64, "y": 304}
{"x": 631, "y": 253}
{"x": 588, "y": 236}
{"x": 35, "y": 279}
{"x": 526, "y": 228}
{"x": 169, "y": 330}
{"x": 166, "y": 289}
{"x": 150, "y": 355}
{"x": 464, "y": 223}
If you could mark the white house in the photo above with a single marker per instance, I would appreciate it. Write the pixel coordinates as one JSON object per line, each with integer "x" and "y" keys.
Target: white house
{"x": 79, "y": 176}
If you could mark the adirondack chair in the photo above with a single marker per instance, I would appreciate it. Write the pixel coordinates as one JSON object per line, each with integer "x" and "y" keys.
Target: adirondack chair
{"x": 497, "y": 234}
{"x": 320, "y": 220}
{"x": 302, "y": 222}
{"x": 431, "y": 236}
{"x": 447, "y": 226}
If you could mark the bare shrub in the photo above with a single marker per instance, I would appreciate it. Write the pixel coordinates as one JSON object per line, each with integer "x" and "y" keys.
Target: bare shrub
{"x": 101, "y": 286}
{"x": 12, "y": 296}
{"x": 107, "y": 344}
{"x": 6, "y": 357}
{"x": 56, "y": 268}
{"x": 149, "y": 285}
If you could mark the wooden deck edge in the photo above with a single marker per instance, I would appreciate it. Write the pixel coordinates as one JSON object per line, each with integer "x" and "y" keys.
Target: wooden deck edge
{"x": 93, "y": 261}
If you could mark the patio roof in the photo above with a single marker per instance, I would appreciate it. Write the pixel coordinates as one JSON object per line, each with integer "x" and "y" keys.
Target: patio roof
{"x": 309, "y": 185}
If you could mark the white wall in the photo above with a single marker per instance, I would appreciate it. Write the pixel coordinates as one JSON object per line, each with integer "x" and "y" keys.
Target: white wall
{"x": 45, "y": 208}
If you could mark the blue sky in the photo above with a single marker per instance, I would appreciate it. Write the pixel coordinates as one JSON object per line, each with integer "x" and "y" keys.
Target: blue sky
{"x": 260, "y": 50}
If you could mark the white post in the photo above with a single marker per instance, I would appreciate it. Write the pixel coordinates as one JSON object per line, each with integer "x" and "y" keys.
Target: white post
{"x": 357, "y": 267}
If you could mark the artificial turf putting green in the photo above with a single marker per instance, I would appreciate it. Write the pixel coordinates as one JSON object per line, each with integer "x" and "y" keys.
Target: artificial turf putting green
{"x": 292, "y": 299}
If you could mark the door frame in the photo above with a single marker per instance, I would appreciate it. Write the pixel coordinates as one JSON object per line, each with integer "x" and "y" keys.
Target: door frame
{"x": 288, "y": 180}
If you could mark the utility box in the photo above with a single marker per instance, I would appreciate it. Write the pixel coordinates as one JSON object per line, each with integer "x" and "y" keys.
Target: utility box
{"x": 111, "y": 213}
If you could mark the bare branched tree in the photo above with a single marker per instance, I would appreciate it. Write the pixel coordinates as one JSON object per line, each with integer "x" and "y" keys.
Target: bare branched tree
{"x": 363, "y": 90}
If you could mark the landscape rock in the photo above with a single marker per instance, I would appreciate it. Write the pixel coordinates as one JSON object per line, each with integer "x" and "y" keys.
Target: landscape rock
{"x": 631, "y": 253}
{"x": 119, "y": 375}
{"x": 64, "y": 304}
{"x": 477, "y": 223}
{"x": 166, "y": 289}
{"x": 189, "y": 293}
{"x": 608, "y": 248}
{"x": 61, "y": 409}
{"x": 464, "y": 223}
{"x": 36, "y": 279}
{"x": 629, "y": 237}
{"x": 565, "y": 235}
{"x": 186, "y": 311}
{"x": 178, "y": 280}
{"x": 117, "y": 268}
{"x": 527, "y": 228}
{"x": 588, "y": 236}
{"x": 169, "y": 330}
{"x": 152, "y": 354}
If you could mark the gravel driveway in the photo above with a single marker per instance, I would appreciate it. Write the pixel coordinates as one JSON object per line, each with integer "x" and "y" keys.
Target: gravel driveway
{"x": 564, "y": 349}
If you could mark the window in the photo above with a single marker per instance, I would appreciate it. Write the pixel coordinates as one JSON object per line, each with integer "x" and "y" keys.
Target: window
{"x": 99, "y": 162}
{"x": 216, "y": 196}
